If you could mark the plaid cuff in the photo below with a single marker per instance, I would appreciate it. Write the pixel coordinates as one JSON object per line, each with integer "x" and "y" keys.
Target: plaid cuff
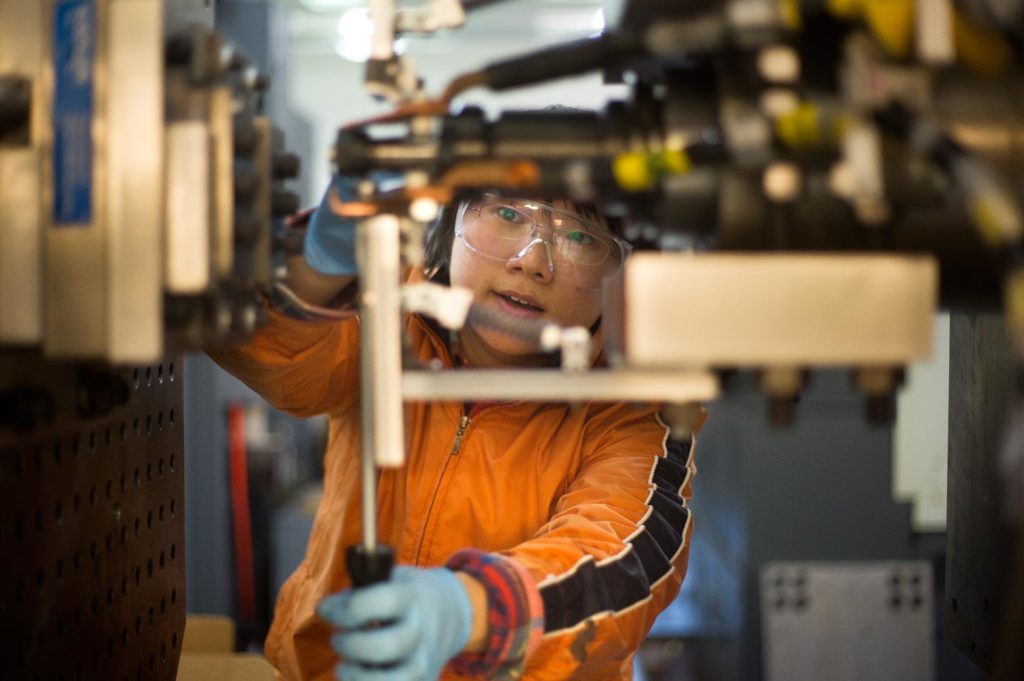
{"x": 515, "y": 615}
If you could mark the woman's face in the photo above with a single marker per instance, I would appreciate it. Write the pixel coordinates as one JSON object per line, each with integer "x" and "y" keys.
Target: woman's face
{"x": 525, "y": 286}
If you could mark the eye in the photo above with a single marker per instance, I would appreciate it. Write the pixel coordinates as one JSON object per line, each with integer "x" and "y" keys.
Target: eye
{"x": 579, "y": 238}
{"x": 509, "y": 214}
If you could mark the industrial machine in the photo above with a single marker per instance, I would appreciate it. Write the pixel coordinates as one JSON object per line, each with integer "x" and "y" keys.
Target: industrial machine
{"x": 139, "y": 184}
{"x": 806, "y": 184}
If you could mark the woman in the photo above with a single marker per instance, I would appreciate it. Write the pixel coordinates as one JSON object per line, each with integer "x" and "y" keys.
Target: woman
{"x": 534, "y": 541}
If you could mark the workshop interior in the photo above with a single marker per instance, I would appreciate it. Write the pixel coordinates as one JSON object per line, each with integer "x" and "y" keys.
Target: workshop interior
{"x": 825, "y": 203}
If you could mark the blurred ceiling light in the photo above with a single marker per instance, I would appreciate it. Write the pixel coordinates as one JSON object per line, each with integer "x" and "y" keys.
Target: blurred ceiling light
{"x": 355, "y": 32}
{"x": 597, "y": 21}
{"x": 355, "y": 29}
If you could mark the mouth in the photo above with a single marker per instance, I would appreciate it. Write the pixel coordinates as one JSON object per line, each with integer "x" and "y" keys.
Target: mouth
{"x": 518, "y": 302}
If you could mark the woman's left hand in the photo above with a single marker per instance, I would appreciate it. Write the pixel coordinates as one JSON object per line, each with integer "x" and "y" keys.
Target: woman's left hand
{"x": 406, "y": 628}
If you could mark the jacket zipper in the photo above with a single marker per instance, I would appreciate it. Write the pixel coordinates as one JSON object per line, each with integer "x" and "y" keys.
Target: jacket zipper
{"x": 456, "y": 446}
{"x": 463, "y": 424}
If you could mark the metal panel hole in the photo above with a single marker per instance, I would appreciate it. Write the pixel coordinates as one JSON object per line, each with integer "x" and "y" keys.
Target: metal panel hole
{"x": 159, "y": 373}
{"x": 149, "y": 424}
{"x": 174, "y": 504}
{"x": 174, "y": 552}
{"x": 170, "y": 371}
{"x": 137, "y": 476}
{"x": 138, "y": 575}
{"x": 135, "y": 378}
{"x": 149, "y": 567}
{"x": 149, "y": 376}
{"x": 149, "y": 472}
{"x": 170, "y": 462}
{"x": 135, "y": 426}
{"x": 137, "y": 526}
{"x": 160, "y": 513}
{"x": 107, "y": 436}
{"x": 160, "y": 467}
{"x": 170, "y": 417}
{"x": 159, "y": 420}
{"x": 149, "y": 520}
{"x": 161, "y": 565}
{"x": 58, "y": 452}
{"x": 123, "y": 431}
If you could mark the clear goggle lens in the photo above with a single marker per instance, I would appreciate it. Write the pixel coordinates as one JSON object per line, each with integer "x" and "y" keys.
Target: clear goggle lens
{"x": 501, "y": 229}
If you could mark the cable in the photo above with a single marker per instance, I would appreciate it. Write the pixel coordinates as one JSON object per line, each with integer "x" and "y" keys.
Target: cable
{"x": 309, "y": 308}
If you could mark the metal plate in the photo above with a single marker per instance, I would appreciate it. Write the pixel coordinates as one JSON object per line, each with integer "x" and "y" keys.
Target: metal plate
{"x": 847, "y": 621}
{"x": 91, "y": 521}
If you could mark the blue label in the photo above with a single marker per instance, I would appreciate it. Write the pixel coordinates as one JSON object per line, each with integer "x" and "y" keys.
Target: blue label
{"x": 74, "y": 54}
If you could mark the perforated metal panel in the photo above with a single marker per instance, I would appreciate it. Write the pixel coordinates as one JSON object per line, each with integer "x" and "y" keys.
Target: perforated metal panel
{"x": 869, "y": 621}
{"x": 91, "y": 520}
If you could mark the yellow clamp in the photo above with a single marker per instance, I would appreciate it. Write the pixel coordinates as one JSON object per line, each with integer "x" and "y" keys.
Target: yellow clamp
{"x": 891, "y": 22}
{"x": 799, "y": 128}
{"x": 637, "y": 171}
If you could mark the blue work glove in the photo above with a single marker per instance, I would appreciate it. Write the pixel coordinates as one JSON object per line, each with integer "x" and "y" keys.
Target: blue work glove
{"x": 404, "y": 629}
{"x": 330, "y": 246}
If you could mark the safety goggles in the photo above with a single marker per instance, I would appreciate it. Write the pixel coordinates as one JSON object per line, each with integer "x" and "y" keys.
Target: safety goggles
{"x": 578, "y": 248}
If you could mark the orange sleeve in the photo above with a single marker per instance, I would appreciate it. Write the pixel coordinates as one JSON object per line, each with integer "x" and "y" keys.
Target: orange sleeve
{"x": 301, "y": 367}
{"x": 614, "y": 553}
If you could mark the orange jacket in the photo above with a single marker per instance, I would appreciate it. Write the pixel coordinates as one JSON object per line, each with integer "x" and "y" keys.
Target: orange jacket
{"x": 590, "y": 499}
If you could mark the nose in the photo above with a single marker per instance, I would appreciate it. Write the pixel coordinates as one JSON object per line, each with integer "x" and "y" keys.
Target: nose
{"x": 533, "y": 261}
